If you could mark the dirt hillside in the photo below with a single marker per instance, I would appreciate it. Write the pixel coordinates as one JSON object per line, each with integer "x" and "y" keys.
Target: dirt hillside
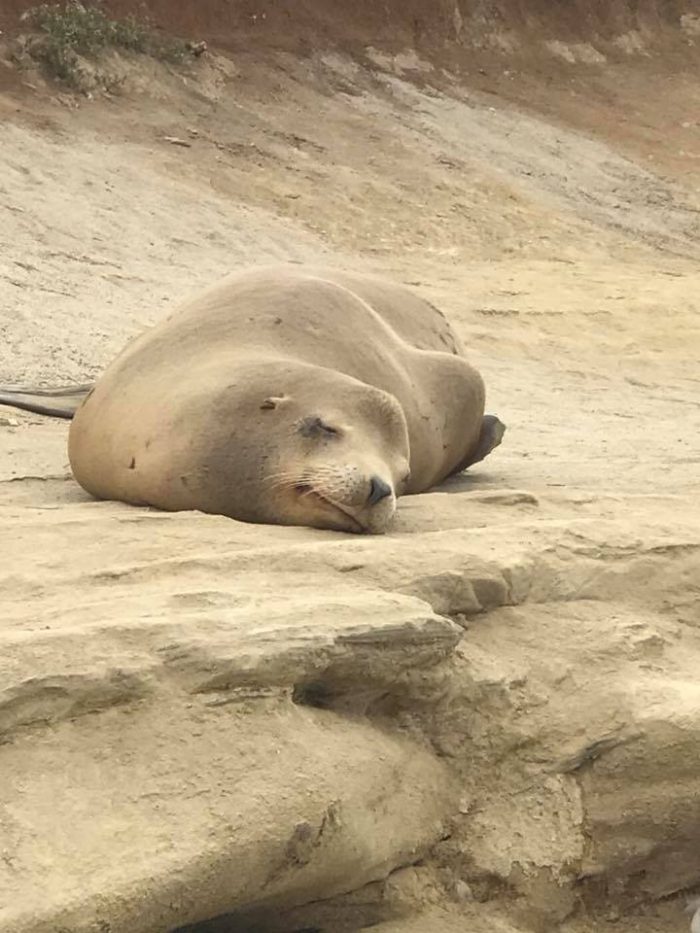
{"x": 508, "y": 728}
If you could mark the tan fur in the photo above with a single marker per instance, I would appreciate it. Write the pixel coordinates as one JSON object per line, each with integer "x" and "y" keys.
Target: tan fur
{"x": 276, "y": 396}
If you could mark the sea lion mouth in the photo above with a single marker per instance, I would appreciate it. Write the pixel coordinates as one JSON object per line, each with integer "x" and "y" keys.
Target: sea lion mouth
{"x": 310, "y": 492}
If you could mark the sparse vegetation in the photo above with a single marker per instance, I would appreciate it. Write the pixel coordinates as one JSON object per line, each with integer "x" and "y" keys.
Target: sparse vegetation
{"x": 67, "y": 32}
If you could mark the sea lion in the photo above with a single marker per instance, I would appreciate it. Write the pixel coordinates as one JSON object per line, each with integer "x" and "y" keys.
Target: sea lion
{"x": 284, "y": 395}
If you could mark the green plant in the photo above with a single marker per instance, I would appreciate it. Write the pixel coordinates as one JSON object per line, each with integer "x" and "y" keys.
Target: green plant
{"x": 71, "y": 30}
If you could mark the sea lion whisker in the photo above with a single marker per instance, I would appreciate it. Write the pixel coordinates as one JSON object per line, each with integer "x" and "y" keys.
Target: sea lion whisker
{"x": 286, "y": 477}
{"x": 284, "y": 474}
{"x": 281, "y": 480}
{"x": 281, "y": 484}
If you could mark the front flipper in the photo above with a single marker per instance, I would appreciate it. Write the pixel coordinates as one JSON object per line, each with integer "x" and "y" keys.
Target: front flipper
{"x": 492, "y": 431}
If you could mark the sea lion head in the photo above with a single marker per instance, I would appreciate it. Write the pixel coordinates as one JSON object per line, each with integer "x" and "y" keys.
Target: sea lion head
{"x": 345, "y": 456}
{"x": 321, "y": 449}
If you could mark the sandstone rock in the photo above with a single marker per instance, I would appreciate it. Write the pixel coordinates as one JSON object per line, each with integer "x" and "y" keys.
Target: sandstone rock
{"x": 132, "y": 662}
{"x": 163, "y": 766}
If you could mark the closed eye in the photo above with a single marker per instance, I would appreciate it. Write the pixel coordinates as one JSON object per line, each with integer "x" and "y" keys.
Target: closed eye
{"x": 313, "y": 426}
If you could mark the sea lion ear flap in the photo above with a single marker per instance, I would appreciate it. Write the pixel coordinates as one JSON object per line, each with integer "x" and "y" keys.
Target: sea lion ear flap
{"x": 274, "y": 401}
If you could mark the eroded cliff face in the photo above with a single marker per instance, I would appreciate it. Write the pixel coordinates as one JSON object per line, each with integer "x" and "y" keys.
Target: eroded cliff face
{"x": 415, "y": 23}
{"x": 488, "y": 719}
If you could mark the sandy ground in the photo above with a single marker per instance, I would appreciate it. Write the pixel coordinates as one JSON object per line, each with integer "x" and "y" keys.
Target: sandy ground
{"x": 567, "y": 267}
{"x": 564, "y": 249}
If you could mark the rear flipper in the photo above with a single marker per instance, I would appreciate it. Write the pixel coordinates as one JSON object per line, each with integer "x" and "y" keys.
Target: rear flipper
{"x": 57, "y": 403}
{"x": 492, "y": 431}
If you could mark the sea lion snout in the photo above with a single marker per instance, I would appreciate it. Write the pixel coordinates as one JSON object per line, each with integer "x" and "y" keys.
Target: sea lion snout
{"x": 378, "y": 490}
{"x": 351, "y": 498}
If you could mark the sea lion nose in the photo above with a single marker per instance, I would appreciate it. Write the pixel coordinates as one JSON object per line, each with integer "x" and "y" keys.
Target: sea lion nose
{"x": 378, "y": 490}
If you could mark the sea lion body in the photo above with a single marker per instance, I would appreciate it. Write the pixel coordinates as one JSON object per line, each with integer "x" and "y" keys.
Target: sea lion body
{"x": 288, "y": 395}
